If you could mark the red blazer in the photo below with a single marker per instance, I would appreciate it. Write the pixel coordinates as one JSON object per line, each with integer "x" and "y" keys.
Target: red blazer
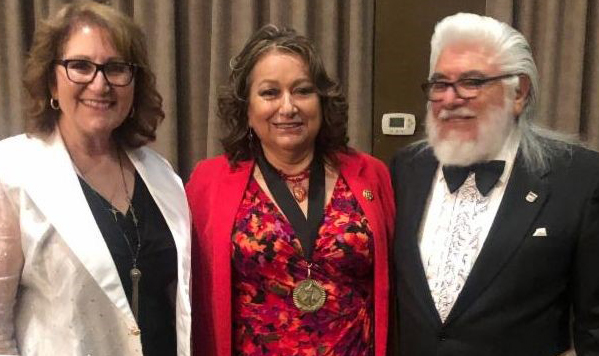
{"x": 215, "y": 191}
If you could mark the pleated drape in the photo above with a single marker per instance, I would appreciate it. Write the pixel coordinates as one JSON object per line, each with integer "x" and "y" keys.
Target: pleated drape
{"x": 564, "y": 36}
{"x": 191, "y": 43}
{"x": 13, "y": 44}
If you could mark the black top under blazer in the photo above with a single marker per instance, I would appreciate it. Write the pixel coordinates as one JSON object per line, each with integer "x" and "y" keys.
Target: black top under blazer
{"x": 521, "y": 289}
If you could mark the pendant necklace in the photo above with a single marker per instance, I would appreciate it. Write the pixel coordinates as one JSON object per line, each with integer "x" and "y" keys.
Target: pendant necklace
{"x": 308, "y": 295}
{"x": 134, "y": 272}
{"x": 296, "y": 180}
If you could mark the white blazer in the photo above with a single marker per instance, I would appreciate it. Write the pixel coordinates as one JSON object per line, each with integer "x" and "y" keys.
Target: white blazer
{"x": 70, "y": 300}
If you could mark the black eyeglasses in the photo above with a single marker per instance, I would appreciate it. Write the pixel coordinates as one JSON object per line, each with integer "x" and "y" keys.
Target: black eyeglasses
{"x": 466, "y": 88}
{"x": 81, "y": 71}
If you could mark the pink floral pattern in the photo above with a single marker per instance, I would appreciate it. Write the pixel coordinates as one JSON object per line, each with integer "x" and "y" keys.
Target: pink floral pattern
{"x": 268, "y": 263}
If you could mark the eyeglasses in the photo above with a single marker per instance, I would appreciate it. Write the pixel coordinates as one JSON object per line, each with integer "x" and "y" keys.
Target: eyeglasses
{"x": 466, "y": 88}
{"x": 81, "y": 71}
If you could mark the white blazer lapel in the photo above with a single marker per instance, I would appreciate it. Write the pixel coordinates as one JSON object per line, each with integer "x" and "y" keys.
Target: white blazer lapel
{"x": 59, "y": 196}
{"x": 167, "y": 190}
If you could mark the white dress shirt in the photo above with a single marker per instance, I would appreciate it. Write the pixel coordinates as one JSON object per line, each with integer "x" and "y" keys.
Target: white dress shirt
{"x": 444, "y": 214}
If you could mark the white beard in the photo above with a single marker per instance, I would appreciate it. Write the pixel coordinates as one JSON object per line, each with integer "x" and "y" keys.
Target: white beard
{"x": 492, "y": 134}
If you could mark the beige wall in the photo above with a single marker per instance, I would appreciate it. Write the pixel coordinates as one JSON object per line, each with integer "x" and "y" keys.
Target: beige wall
{"x": 401, "y": 52}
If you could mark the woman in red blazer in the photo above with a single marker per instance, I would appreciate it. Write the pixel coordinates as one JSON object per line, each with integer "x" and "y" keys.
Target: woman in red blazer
{"x": 291, "y": 227}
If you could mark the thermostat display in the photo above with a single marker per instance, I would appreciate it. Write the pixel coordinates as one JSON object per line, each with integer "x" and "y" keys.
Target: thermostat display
{"x": 397, "y": 121}
{"x": 398, "y": 124}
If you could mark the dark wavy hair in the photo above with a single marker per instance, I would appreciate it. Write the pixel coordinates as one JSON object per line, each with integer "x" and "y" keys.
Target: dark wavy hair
{"x": 233, "y": 100}
{"x": 49, "y": 40}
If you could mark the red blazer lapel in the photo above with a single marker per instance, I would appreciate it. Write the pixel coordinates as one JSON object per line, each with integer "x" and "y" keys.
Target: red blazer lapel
{"x": 214, "y": 192}
{"x": 226, "y": 204}
{"x": 371, "y": 185}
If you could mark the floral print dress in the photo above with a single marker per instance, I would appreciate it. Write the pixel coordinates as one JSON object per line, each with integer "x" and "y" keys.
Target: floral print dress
{"x": 268, "y": 263}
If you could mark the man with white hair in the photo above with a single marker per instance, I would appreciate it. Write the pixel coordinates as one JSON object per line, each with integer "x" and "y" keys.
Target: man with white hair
{"x": 497, "y": 241}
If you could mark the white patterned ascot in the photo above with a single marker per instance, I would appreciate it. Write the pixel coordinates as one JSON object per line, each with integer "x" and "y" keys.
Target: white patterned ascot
{"x": 459, "y": 235}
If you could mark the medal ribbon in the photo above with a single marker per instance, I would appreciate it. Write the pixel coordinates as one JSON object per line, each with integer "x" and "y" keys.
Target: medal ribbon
{"x": 306, "y": 229}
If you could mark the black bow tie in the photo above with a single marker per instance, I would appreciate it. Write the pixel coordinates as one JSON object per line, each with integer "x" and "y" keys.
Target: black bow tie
{"x": 486, "y": 174}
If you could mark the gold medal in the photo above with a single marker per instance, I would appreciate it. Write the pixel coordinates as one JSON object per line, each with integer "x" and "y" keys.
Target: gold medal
{"x": 309, "y": 295}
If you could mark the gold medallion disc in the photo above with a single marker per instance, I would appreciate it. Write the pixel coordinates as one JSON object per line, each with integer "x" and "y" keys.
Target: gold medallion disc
{"x": 309, "y": 295}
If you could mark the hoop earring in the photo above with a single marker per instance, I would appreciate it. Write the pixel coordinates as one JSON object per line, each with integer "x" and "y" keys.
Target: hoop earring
{"x": 54, "y": 104}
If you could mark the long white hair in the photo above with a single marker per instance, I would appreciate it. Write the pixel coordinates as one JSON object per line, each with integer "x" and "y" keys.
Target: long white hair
{"x": 512, "y": 54}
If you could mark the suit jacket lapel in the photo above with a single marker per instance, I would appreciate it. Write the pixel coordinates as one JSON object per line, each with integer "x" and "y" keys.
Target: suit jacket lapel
{"x": 60, "y": 197}
{"x": 510, "y": 227}
{"x": 352, "y": 171}
{"x": 416, "y": 190}
{"x": 229, "y": 192}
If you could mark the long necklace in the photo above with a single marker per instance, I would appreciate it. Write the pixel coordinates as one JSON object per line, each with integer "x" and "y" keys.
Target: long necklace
{"x": 134, "y": 272}
{"x": 296, "y": 180}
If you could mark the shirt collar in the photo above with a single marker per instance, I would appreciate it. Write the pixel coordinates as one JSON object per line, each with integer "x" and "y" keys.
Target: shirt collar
{"x": 508, "y": 154}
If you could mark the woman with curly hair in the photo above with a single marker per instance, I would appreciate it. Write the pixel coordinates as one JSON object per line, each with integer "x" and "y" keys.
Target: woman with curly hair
{"x": 94, "y": 226}
{"x": 291, "y": 226}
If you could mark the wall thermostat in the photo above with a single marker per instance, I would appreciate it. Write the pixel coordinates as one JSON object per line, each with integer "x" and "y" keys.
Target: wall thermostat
{"x": 398, "y": 124}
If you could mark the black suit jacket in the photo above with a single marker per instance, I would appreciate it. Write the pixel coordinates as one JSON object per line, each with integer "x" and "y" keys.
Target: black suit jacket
{"x": 521, "y": 289}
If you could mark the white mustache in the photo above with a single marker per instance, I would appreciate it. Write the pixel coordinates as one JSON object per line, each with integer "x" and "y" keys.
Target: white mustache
{"x": 445, "y": 114}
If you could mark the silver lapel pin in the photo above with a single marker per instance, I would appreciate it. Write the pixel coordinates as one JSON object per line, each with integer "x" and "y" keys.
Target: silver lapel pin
{"x": 531, "y": 197}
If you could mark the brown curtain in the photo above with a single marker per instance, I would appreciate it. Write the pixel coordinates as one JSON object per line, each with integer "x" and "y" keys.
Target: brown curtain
{"x": 564, "y": 36}
{"x": 191, "y": 43}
